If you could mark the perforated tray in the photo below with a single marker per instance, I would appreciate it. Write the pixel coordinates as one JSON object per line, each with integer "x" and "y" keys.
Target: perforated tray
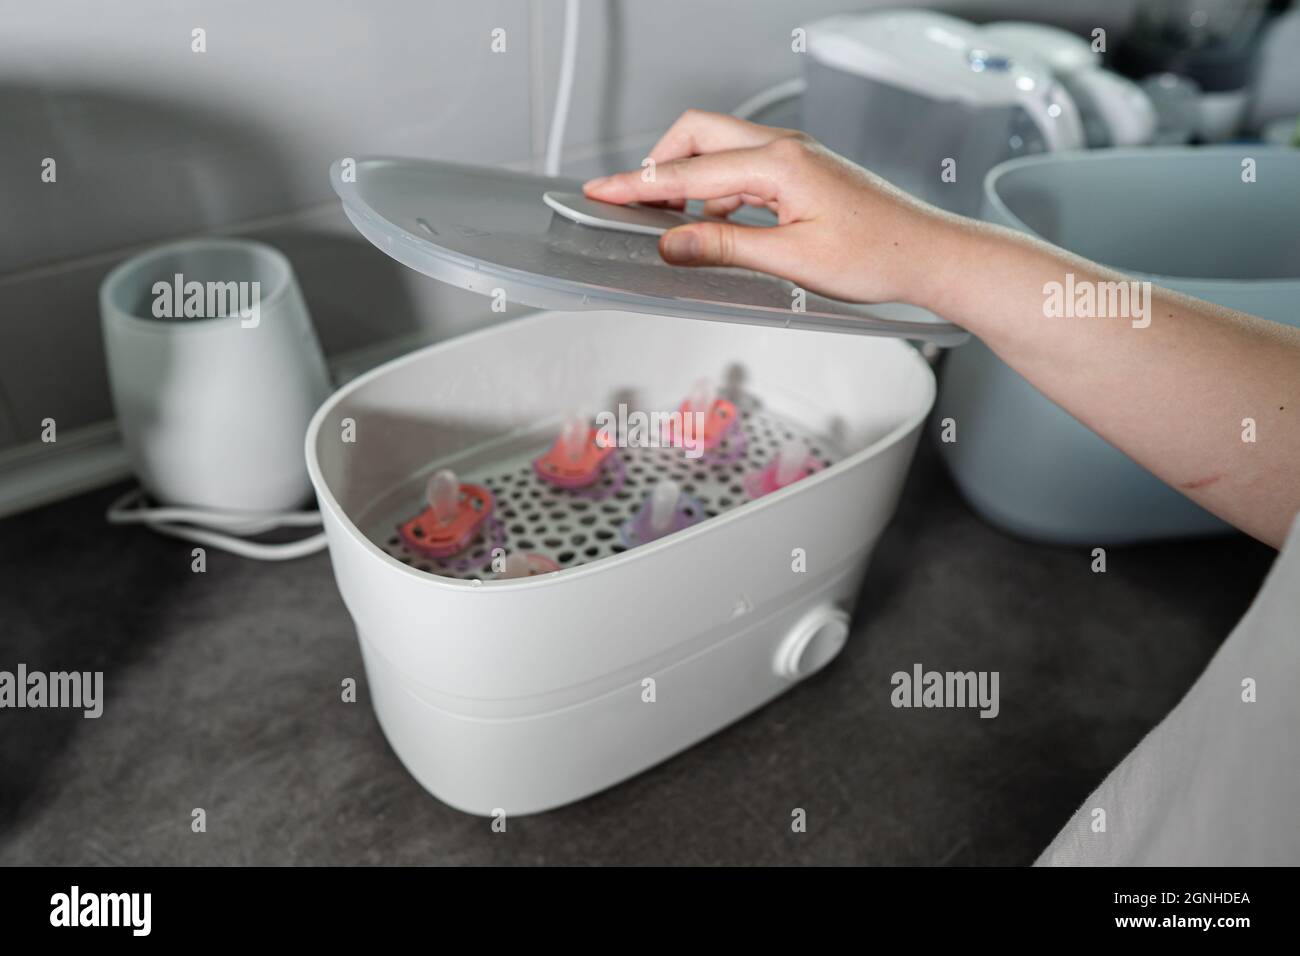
{"x": 573, "y": 530}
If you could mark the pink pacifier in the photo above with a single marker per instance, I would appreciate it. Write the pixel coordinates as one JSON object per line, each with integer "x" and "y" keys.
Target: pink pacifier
{"x": 521, "y": 564}
{"x": 666, "y": 509}
{"x": 792, "y": 462}
{"x": 455, "y": 514}
{"x": 577, "y": 459}
{"x": 719, "y": 416}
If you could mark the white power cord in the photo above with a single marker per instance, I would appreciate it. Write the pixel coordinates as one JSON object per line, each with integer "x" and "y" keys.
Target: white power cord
{"x": 761, "y": 102}
{"x": 130, "y": 509}
{"x": 752, "y": 107}
{"x": 564, "y": 93}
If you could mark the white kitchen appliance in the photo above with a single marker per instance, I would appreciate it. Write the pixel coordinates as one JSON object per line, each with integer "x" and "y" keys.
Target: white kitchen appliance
{"x": 562, "y": 648}
{"x": 524, "y": 693}
{"x": 930, "y": 103}
{"x": 1114, "y": 110}
{"x": 215, "y": 371}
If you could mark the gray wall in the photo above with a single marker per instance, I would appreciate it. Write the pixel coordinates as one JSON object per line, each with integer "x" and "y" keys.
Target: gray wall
{"x": 154, "y": 141}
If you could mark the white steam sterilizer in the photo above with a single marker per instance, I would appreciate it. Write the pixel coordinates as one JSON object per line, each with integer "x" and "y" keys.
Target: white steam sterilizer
{"x": 521, "y": 685}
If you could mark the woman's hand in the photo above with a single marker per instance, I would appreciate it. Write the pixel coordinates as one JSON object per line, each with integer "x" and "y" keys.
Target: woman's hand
{"x": 843, "y": 232}
{"x": 1173, "y": 393}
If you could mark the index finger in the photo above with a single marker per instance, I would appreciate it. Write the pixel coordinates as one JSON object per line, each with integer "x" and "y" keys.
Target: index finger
{"x": 698, "y": 131}
{"x": 712, "y": 176}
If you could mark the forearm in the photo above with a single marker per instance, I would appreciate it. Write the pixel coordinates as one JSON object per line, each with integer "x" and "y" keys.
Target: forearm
{"x": 1174, "y": 394}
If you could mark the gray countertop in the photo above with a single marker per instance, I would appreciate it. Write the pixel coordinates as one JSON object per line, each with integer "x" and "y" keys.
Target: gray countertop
{"x": 222, "y": 692}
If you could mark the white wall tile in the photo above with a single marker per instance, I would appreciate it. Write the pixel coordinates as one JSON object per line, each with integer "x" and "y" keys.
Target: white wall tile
{"x": 154, "y": 140}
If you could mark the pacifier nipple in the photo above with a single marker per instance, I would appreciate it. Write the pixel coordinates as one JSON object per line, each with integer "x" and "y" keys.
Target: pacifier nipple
{"x": 575, "y": 437}
{"x": 791, "y": 461}
{"x": 663, "y": 504}
{"x": 520, "y": 564}
{"x": 443, "y": 495}
{"x": 516, "y": 566}
{"x": 701, "y": 397}
{"x": 666, "y": 509}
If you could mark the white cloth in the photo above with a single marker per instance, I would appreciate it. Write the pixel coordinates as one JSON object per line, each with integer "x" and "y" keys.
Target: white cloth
{"x": 1217, "y": 782}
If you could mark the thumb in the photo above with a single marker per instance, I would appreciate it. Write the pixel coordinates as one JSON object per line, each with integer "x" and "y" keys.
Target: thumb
{"x": 724, "y": 244}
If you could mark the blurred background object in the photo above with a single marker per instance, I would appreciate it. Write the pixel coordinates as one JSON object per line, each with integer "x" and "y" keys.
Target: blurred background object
{"x": 1212, "y": 43}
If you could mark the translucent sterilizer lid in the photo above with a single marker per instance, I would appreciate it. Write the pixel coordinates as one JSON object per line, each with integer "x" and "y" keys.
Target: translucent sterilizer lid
{"x": 497, "y": 232}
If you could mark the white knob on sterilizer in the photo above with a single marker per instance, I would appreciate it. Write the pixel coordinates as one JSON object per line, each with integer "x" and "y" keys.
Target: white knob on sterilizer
{"x": 812, "y": 643}
{"x": 443, "y": 495}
